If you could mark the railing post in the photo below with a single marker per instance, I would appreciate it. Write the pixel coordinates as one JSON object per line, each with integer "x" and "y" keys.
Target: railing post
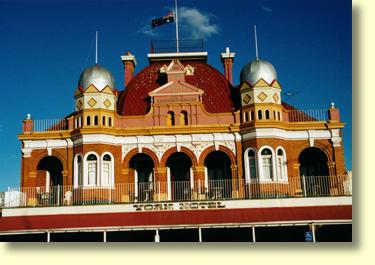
{"x": 253, "y": 233}
{"x": 104, "y": 236}
{"x": 159, "y": 190}
{"x": 157, "y": 237}
{"x": 58, "y": 195}
{"x": 200, "y": 234}
{"x": 304, "y": 185}
{"x": 48, "y": 236}
{"x": 313, "y": 232}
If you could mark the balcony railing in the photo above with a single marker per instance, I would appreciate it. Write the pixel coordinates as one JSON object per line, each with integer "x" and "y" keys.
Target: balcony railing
{"x": 170, "y": 46}
{"x": 295, "y": 187}
{"x": 50, "y": 125}
{"x": 308, "y": 115}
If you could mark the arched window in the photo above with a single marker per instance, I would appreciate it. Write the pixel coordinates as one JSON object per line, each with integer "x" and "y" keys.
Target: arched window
{"x": 79, "y": 171}
{"x": 251, "y": 115}
{"x": 246, "y": 116}
{"x": 96, "y": 120}
{"x": 109, "y": 121}
{"x": 259, "y": 114}
{"x": 183, "y": 118}
{"x": 92, "y": 174}
{"x": 267, "y": 114}
{"x": 170, "y": 118}
{"x": 107, "y": 170}
{"x": 279, "y": 116}
{"x": 88, "y": 121}
{"x": 281, "y": 166}
{"x": 252, "y": 164}
{"x": 274, "y": 115}
{"x": 266, "y": 156}
{"x": 103, "y": 120}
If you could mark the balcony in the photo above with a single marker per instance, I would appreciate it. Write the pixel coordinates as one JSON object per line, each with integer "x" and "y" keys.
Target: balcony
{"x": 183, "y": 191}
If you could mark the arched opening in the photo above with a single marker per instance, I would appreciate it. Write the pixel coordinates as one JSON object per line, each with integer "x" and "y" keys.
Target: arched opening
{"x": 143, "y": 167}
{"x": 179, "y": 173}
{"x": 170, "y": 118}
{"x": 96, "y": 120}
{"x": 267, "y": 114}
{"x": 246, "y": 116}
{"x": 51, "y": 167}
{"x": 49, "y": 174}
{"x": 259, "y": 114}
{"x": 88, "y": 121}
{"x": 219, "y": 175}
{"x": 314, "y": 171}
{"x": 109, "y": 121}
{"x": 252, "y": 165}
{"x": 103, "y": 120}
{"x": 184, "y": 118}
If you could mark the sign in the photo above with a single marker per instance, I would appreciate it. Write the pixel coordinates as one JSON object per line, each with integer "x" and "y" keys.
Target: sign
{"x": 178, "y": 206}
{"x": 309, "y": 236}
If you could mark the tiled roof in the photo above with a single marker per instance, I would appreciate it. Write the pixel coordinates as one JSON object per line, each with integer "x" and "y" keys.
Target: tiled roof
{"x": 217, "y": 97}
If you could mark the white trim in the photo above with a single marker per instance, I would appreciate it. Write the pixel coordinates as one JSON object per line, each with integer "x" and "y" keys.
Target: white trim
{"x": 284, "y": 165}
{"x": 287, "y": 135}
{"x": 247, "y": 165}
{"x": 111, "y": 181}
{"x": 260, "y": 164}
{"x": 85, "y": 170}
{"x": 75, "y": 170}
{"x": 230, "y": 204}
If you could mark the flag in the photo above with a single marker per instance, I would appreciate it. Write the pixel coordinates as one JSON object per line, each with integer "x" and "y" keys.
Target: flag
{"x": 163, "y": 20}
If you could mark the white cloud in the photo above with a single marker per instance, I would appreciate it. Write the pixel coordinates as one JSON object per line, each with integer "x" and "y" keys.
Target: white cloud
{"x": 267, "y": 10}
{"x": 196, "y": 24}
{"x": 146, "y": 28}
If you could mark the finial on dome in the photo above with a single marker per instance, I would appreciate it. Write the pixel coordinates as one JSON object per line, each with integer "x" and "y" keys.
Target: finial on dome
{"x": 332, "y": 105}
{"x": 28, "y": 116}
{"x": 256, "y": 43}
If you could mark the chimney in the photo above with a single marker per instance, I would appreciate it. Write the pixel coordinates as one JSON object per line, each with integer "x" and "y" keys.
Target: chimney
{"x": 129, "y": 62}
{"x": 227, "y": 60}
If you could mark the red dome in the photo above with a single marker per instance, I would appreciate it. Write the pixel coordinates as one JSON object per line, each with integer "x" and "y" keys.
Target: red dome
{"x": 217, "y": 97}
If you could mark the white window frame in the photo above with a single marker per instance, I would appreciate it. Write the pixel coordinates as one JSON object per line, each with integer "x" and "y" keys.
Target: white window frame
{"x": 247, "y": 164}
{"x": 86, "y": 171}
{"x": 284, "y": 165}
{"x": 76, "y": 171}
{"x": 111, "y": 180}
{"x": 260, "y": 164}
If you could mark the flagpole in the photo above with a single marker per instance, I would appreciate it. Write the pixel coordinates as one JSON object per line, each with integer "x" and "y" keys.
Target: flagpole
{"x": 177, "y": 42}
{"x": 96, "y": 48}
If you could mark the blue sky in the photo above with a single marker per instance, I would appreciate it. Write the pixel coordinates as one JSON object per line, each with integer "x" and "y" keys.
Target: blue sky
{"x": 45, "y": 45}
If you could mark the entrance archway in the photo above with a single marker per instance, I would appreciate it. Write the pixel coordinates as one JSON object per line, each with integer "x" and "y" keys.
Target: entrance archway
{"x": 50, "y": 172}
{"x": 314, "y": 171}
{"x": 143, "y": 167}
{"x": 179, "y": 176}
{"x": 218, "y": 175}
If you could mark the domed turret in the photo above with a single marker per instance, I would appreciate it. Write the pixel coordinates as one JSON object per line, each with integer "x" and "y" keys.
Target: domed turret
{"x": 98, "y": 76}
{"x": 255, "y": 70}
